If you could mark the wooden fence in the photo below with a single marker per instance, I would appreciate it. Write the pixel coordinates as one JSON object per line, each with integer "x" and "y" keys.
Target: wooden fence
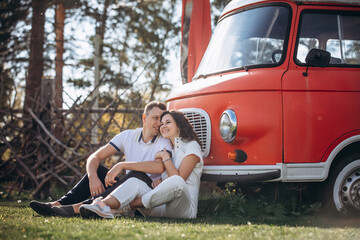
{"x": 43, "y": 145}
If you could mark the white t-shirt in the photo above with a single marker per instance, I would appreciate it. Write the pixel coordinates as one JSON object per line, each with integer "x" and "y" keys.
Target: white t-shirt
{"x": 136, "y": 150}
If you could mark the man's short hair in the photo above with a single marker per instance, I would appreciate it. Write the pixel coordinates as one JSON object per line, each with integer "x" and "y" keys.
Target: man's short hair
{"x": 153, "y": 104}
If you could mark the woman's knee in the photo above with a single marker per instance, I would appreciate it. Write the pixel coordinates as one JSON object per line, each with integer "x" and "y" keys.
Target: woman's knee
{"x": 133, "y": 181}
{"x": 129, "y": 190}
{"x": 177, "y": 183}
{"x": 176, "y": 179}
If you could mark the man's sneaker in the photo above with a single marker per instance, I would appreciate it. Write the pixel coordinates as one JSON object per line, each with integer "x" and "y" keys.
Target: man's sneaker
{"x": 42, "y": 208}
{"x": 64, "y": 211}
{"x": 95, "y": 211}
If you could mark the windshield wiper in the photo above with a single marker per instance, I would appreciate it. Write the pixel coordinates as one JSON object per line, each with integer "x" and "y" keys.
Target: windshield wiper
{"x": 199, "y": 76}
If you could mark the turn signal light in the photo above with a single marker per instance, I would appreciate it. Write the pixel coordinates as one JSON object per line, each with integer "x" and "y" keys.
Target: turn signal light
{"x": 237, "y": 156}
{"x": 232, "y": 156}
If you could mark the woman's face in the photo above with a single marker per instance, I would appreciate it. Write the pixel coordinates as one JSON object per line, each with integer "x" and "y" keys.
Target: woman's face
{"x": 168, "y": 127}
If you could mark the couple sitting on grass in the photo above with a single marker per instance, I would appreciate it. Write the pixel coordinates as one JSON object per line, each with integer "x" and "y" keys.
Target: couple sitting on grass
{"x": 176, "y": 155}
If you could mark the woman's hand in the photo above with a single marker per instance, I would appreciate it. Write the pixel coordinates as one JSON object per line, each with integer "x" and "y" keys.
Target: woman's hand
{"x": 155, "y": 183}
{"x": 112, "y": 174}
{"x": 96, "y": 186}
{"x": 163, "y": 154}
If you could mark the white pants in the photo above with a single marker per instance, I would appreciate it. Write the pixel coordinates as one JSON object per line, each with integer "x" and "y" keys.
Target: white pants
{"x": 168, "y": 199}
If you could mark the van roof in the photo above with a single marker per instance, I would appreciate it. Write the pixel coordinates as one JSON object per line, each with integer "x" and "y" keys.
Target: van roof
{"x": 240, "y": 3}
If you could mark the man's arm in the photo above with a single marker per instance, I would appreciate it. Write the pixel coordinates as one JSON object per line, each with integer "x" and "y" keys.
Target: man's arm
{"x": 153, "y": 167}
{"x": 92, "y": 164}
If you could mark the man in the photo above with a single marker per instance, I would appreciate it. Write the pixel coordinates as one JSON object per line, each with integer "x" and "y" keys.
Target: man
{"x": 139, "y": 147}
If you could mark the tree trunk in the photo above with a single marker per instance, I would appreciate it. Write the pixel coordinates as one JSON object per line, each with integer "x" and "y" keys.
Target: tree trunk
{"x": 102, "y": 29}
{"x": 36, "y": 60}
{"x": 59, "y": 62}
{"x": 33, "y": 87}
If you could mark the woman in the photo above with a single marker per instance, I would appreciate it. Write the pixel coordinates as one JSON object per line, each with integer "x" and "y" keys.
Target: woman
{"x": 176, "y": 194}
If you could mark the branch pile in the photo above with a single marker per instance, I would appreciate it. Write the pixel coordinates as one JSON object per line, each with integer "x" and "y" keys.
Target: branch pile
{"x": 43, "y": 144}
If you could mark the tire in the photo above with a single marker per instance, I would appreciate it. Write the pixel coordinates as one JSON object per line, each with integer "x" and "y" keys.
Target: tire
{"x": 344, "y": 186}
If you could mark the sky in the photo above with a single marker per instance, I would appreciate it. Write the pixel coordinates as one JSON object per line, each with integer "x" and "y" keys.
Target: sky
{"x": 83, "y": 32}
{"x": 84, "y": 49}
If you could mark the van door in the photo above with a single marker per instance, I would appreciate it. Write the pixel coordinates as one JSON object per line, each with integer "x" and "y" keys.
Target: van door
{"x": 324, "y": 105}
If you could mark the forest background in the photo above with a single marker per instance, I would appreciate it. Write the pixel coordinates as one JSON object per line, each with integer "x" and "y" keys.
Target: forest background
{"x": 73, "y": 74}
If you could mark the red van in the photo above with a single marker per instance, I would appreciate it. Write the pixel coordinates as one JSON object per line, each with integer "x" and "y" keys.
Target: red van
{"x": 276, "y": 96}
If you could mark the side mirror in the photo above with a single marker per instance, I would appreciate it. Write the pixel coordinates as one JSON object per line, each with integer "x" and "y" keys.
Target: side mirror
{"x": 317, "y": 58}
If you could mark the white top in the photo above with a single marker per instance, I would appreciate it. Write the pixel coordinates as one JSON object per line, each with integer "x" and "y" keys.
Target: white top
{"x": 136, "y": 150}
{"x": 181, "y": 150}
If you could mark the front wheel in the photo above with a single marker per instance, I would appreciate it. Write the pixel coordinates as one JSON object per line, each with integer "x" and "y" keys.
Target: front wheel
{"x": 345, "y": 186}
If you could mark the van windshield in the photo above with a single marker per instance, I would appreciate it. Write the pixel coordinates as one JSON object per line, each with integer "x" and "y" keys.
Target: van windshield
{"x": 254, "y": 37}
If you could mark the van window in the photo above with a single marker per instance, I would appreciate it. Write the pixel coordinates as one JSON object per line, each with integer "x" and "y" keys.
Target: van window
{"x": 255, "y": 37}
{"x": 350, "y": 53}
{"x": 305, "y": 44}
{"x": 335, "y": 32}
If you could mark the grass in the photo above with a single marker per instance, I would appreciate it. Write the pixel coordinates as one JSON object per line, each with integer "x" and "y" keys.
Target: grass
{"x": 18, "y": 221}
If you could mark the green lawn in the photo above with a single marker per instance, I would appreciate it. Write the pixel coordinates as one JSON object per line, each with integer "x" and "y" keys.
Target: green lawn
{"x": 17, "y": 221}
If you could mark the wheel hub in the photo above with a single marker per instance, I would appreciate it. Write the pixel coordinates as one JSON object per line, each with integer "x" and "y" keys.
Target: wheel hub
{"x": 350, "y": 191}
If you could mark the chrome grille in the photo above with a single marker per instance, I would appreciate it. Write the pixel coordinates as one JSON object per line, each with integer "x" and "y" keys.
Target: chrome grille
{"x": 200, "y": 121}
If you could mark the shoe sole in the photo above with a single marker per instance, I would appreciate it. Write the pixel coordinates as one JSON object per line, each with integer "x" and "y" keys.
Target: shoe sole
{"x": 93, "y": 213}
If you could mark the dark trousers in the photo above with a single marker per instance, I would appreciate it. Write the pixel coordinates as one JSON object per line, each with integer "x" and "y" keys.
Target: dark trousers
{"x": 81, "y": 191}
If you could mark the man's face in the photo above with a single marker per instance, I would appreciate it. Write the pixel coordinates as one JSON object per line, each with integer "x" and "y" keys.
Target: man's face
{"x": 151, "y": 122}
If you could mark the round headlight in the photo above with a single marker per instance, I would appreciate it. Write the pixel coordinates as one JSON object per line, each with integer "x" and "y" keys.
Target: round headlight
{"x": 228, "y": 125}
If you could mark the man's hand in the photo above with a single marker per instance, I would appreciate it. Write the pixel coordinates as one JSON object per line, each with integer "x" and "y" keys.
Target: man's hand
{"x": 96, "y": 186}
{"x": 156, "y": 182}
{"x": 92, "y": 164}
{"x": 111, "y": 175}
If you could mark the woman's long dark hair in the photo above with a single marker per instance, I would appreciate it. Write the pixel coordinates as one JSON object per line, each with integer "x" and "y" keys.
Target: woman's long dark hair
{"x": 187, "y": 132}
